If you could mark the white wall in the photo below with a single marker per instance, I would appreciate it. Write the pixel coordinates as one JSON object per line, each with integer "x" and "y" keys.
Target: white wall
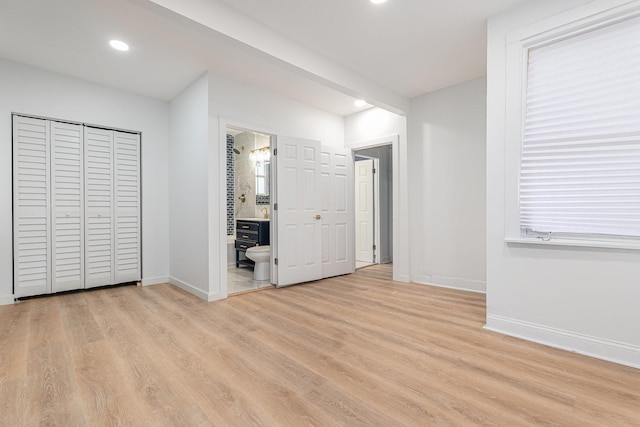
{"x": 379, "y": 127}
{"x": 33, "y": 91}
{"x": 582, "y": 299}
{"x": 447, "y": 179}
{"x": 232, "y": 103}
{"x": 188, "y": 188}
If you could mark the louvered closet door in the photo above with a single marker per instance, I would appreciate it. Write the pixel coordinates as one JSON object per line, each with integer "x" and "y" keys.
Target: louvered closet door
{"x": 99, "y": 224}
{"x": 67, "y": 207}
{"x": 127, "y": 207}
{"x": 31, "y": 221}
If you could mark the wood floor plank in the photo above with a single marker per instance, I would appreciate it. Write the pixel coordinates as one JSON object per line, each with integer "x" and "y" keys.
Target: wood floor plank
{"x": 351, "y": 350}
{"x": 46, "y": 325}
{"x": 235, "y": 360}
{"x": 14, "y": 402}
{"x": 107, "y": 394}
{"x": 14, "y": 341}
{"x": 54, "y": 394}
{"x": 363, "y": 368}
{"x": 160, "y": 399}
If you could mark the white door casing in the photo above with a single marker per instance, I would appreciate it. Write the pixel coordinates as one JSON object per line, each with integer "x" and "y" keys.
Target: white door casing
{"x": 337, "y": 212}
{"x": 67, "y": 207}
{"x": 299, "y": 211}
{"x": 31, "y": 197}
{"x": 364, "y": 207}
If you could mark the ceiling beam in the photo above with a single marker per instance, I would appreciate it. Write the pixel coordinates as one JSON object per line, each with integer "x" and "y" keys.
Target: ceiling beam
{"x": 251, "y": 35}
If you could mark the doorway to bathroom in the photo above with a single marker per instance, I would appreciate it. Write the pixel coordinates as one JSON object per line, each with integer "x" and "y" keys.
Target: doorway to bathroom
{"x": 249, "y": 189}
{"x": 373, "y": 206}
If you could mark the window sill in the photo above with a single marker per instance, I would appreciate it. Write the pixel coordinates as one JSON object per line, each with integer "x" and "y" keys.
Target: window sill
{"x": 633, "y": 246}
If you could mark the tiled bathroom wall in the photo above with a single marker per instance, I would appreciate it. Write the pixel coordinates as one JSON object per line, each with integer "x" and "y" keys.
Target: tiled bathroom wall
{"x": 230, "y": 186}
{"x": 245, "y": 176}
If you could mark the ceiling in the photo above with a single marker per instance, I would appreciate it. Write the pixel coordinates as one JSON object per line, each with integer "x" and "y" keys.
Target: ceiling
{"x": 324, "y": 53}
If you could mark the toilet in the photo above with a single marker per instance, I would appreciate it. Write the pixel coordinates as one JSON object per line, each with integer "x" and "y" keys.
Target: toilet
{"x": 261, "y": 255}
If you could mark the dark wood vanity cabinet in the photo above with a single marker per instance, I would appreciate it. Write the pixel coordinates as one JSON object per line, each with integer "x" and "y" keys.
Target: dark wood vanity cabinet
{"x": 250, "y": 233}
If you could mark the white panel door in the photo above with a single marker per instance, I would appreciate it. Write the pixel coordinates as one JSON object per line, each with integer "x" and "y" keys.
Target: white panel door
{"x": 31, "y": 219}
{"x": 364, "y": 210}
{"x": 67, "y": 207}
{"x": 99, "y": 225}
{"x": 299, "y": 245}
{"x": 127, "y": 207}
{"x": 337, "y": 213}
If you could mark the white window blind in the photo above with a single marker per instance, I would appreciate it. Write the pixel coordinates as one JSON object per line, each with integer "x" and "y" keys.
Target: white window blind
{"x": 580, "y": 165}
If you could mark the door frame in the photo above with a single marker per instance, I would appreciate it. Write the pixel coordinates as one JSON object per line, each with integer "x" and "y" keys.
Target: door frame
{"x": 218, "y": 214}
{"x": 400, "y": 273}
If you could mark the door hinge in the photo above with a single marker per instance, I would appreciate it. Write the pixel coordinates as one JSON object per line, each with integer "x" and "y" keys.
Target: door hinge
{"x": 373, "y": 170}
{"x": 275, "y": 206}
{"x": 374, "y": 247}
{"x": 275, "y": 261}
{"x": 275, "y": 151}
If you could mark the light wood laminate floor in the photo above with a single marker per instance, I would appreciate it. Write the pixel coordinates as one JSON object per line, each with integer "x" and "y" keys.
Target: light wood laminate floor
{"x": 356, "y": 350}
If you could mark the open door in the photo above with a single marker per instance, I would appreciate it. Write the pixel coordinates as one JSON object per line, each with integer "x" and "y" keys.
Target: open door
{"x": 314, "y": 216}
{"x": 298, "y": 214}
{"x": 337, "y": 212}
{"x": 365, "y": 214}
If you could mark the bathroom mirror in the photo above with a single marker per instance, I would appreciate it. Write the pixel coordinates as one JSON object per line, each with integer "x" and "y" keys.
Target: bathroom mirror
{"x": 263, "y": 172}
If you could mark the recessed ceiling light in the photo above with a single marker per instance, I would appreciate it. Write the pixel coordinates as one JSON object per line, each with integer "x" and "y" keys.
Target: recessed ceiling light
{"x": 118, "y": 45}
{"x": 377, "y": 1}
{"x": 360, "y": 103}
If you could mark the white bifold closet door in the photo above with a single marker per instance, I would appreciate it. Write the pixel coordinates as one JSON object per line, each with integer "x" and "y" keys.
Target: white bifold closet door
{"x": 67, "y": 207}
{"x": 127, "y": 207}
{"x": 112, "y": 170}
{"x": 77, "y": 205}
{"x": 99, "y": 239}
{"x": 31, "y": 206}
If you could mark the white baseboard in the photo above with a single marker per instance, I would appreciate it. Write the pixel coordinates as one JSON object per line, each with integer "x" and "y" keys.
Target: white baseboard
{"x": 7, "y": 299}
{"x": 401, "y": 278}
{"x": 458, "y": 283}
{"x": 215, "y": 296}
{"x": 599, "y": 348}
{"x": 154, "y": 280}
{"x": 195, "y": 291}
{"x": 385, "y": 260}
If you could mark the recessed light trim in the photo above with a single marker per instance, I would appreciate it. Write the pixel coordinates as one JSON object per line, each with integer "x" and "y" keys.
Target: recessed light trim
{"x": 119, "y": 45}
{"x": 377, "y": 1}
{"x": 360, "y": 103}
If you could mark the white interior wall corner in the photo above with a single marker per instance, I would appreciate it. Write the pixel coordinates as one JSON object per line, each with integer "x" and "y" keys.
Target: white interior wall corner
{"x": 189, "y": 188}
{"x": 447, "y": 181}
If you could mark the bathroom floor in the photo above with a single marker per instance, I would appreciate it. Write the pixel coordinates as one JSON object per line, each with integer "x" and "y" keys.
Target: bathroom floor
{"x": 241, "y": 280}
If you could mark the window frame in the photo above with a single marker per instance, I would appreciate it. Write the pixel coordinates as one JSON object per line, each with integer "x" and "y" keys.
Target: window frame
{"x": 589, "y": 17}
{"x": 568, "y": 24}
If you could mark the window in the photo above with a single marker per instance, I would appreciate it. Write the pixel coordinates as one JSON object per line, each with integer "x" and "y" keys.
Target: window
{"x": 579, "y": 173}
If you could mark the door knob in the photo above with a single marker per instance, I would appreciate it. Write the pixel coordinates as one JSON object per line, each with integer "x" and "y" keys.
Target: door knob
{"x": 318, "y": 217}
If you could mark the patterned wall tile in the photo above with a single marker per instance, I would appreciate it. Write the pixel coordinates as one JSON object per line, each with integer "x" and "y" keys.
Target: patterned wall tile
{"x": 230, "y": 186}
